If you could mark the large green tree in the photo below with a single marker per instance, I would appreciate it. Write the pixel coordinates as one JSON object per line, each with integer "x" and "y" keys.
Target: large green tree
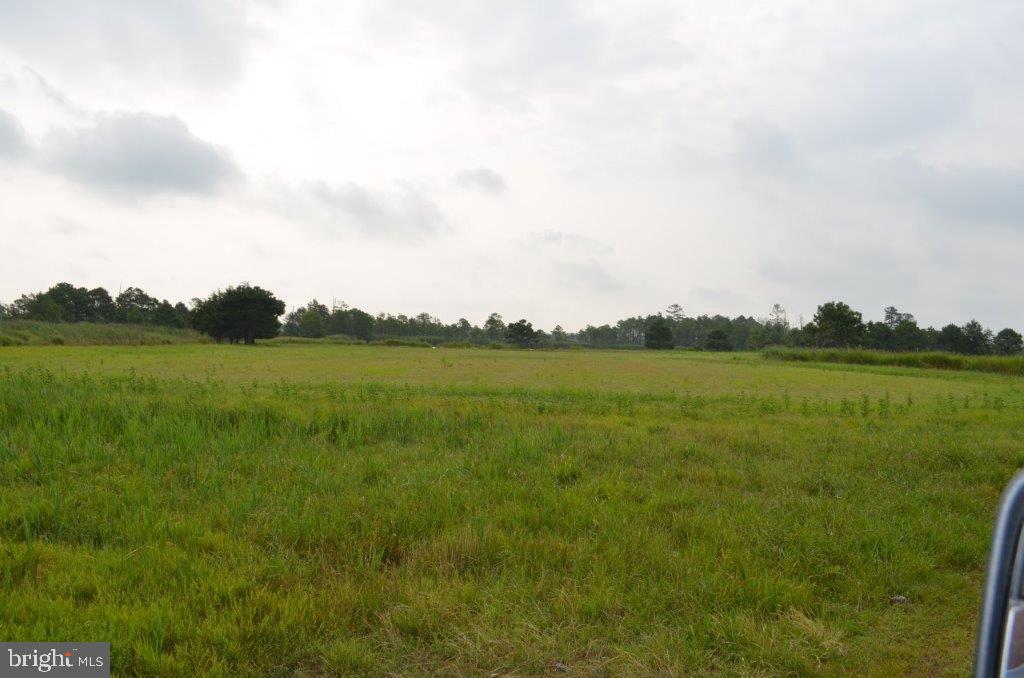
{"x": 494, "y": 326}
{"x": 242, "y": 313}
{"x": 101, "y": 306}
{"x": 74, "y": 302}
{"x": 659, "y": 335}
{"x": 135, "y": 306}
{"x": 977, "y": 339}
{"x": 313, "y": 320}
{"x": 361, "y": 324}
{"x": 836, "y": 325}
{"x": 1008, "y": 342}
{"x": 37, "y": 307}
{"x": 898, "y": 332}
{"x": 311, "y": 323}
{"x": 521, "y": 333}
{"x": 951, "y": 338}
{"x": 166, "y": 315}
{"x": 717, "y": 341}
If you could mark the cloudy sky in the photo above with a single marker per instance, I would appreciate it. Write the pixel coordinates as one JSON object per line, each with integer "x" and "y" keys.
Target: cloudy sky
{"x": 570, "y": 162}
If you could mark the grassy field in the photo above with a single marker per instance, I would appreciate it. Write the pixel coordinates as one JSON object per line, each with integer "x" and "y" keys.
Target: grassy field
{"x": 311, "y": 509}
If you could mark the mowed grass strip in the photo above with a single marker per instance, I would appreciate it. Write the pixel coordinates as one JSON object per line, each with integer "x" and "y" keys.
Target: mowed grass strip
{"x": 294, "y": 528}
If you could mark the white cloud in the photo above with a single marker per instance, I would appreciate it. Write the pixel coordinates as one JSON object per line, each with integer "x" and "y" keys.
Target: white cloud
{"x": 351, "y": 207}
{"x": 588, "y": 274}
{"x": 482, "y": 179}
{"x": 536, "y": 47}
{"x": 13, "y": 141}
{"x": 135, "y": 155}
{"x": 199, "y": 42}
{"x": 975, "y": 196}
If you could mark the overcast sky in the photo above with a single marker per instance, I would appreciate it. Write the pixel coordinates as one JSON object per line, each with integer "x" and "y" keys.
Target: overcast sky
{"x": 567, "y": 162}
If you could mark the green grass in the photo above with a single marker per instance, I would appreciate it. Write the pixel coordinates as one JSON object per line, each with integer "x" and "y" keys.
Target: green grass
{"x": 1012, "y": 365}
{"x": 329, "y": 339}
{"x": 322, "y": 509}
{"x": 35, "y": 333}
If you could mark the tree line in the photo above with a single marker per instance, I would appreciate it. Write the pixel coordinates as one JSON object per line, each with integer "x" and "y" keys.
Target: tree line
{"x": 245, "y": 313}
{"x": 835, "y": 325}
{"x": 66, "y": 303}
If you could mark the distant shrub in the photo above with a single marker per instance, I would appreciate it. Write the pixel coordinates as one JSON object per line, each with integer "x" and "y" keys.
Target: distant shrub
{"x": 401, "y": 342}
{"x": 343, "y": 339}
{"x": 329, "y": 339}
{"x": 1011, "y": 365}
{"x": 385, "y": 339}
{"x": 497, "y": 344}
{"x": 293, "y": 340}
